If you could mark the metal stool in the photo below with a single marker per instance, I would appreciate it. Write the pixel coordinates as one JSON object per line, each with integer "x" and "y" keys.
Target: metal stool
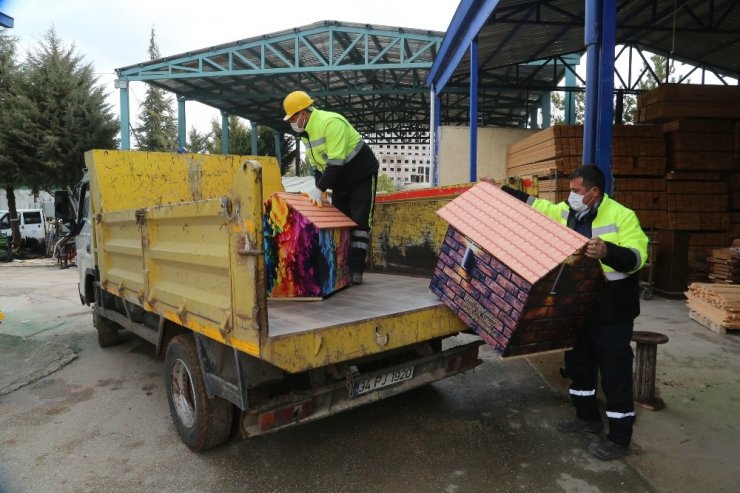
{"x": 645, "y": 360}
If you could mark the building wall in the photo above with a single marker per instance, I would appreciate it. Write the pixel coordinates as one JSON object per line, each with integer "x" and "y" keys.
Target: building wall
{"x": 454, "y": 152}
{"x": 405, "y": 164}
{"x": 24, "y": 199}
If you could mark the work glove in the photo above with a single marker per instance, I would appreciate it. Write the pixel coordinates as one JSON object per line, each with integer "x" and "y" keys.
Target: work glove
{"x": 314, "y": 195}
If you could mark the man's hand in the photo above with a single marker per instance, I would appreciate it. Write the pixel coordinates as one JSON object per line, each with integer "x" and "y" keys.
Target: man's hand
{"x": 595, "y": 249}
{"x": 491, "y": 181}
{"x": 314, "y": 195}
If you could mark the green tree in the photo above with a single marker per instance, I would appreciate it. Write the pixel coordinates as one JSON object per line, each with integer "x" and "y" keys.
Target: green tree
{"x": 158, "y": 129}
{"x": 73, "y": 116}
{"x": 240, "y": 141}
{"x": 197, "y": 142}
{"x": 53, "y": 111}
{"x": 385, "y": 184}
{"x": 12, "y": 118}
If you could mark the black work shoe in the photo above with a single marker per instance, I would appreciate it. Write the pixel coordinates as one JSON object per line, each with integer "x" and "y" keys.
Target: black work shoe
{"x": 357, "y": 278}
{"x": 607, "y": 450}
{"x": 579, "y": 425}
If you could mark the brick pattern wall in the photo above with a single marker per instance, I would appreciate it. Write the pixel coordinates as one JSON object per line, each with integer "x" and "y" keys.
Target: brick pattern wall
{"x": 509, "y": 313}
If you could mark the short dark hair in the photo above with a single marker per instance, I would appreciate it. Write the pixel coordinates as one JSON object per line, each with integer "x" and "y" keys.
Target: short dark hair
{"x": 591, "y": 174}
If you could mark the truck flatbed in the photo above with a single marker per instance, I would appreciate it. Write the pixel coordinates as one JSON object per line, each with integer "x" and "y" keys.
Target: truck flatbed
{"x": 380, "y": 296}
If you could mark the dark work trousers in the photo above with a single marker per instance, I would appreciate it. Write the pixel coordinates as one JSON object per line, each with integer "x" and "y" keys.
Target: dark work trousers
{"x": 604, "y": 348}
{"x": 358, "y": 203}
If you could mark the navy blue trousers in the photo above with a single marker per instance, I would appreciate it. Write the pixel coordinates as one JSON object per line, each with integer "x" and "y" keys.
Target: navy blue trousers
{"x": 604, "y": 348}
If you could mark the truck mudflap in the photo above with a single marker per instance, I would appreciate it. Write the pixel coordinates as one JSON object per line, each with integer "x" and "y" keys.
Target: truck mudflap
{"x": 358, "y": 389}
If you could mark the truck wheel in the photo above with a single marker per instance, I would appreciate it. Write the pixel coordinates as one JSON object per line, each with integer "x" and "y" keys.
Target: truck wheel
{"x": 107, "y": 330}
{"x": 201, "y": 422}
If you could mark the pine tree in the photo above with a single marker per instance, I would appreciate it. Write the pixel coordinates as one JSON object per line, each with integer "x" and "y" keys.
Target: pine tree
{"x": 158, "y": 129}
{"x": 71, "y": 113}
{"x": 53, "y": 111}
{"x": 11, "y": 117}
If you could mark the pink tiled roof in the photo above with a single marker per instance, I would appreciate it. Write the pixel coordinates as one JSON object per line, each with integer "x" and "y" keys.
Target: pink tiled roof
{"x": 323, "y": 217}
{"x": 529, "y": 243}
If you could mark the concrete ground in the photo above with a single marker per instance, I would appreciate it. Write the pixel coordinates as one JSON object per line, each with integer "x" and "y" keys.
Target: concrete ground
{"x": 100, "y": 421}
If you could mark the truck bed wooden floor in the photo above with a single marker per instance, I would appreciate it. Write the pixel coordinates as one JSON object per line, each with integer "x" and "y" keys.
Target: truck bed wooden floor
{"x": 380, "y": 295}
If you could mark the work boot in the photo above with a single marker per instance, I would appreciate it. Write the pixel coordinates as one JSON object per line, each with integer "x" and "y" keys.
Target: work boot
{"x": 607, "y": 450}
{"x": 579, "y": 425}
{"x": 357, "y": 278}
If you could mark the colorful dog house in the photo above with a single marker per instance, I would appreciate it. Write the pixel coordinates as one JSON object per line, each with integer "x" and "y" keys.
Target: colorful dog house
{"x": 306, "y": 247}
{"x": 514, "y": 275}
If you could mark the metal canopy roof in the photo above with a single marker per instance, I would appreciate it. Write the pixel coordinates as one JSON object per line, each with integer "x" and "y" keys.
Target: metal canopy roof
{"x": 374, "y": 75}
{"x": 510, "y": 32}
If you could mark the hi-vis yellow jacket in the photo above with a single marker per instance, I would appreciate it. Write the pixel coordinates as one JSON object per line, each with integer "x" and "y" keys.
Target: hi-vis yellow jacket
{"x": 614, "y": 223}
{"x": 331, "y": 140}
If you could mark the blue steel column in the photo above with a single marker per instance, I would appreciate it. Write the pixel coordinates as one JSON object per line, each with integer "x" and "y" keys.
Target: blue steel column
{"x": 473, "y": 176}
{"x": 546, "y": 123}
{"x": 591, "y": 37}
{"x": 181, "y": 124}
{"x": 278, "y": 138}
{"x": 122, "y": 86}
{"x": 605, "y": 118}
{"x": 224, "y": 133}
{"x": 254, "y": 137}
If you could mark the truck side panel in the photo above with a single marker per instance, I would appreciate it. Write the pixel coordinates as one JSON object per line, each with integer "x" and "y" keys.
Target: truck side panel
{"x": 195, "y": 262}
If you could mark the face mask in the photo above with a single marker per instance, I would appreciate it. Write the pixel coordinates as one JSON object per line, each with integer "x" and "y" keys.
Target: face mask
{"x": 297, "y": 128}
{"x": 576, "y": 202}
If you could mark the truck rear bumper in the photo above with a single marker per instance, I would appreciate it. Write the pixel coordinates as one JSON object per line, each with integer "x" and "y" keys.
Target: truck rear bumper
{"x": 355, "y": 391}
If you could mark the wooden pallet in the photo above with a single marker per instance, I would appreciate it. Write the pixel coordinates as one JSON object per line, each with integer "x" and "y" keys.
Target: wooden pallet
{"x": 719, "y": 329}
{"x": 717, "y": 303}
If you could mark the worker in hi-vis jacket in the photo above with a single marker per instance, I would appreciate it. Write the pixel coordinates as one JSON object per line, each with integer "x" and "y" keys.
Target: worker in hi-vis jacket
{"x": 342, "y": 162}
{"x": 619, "y": 243}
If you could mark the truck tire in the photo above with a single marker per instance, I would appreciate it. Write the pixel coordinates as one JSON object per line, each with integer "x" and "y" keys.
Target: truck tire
{"x": 107, "y": 330}
{"x": 201, "y": 422}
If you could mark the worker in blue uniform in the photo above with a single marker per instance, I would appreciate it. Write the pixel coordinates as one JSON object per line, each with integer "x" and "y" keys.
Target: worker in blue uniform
{"x": 619, "y": 243}
{"x": 343, "y": 163}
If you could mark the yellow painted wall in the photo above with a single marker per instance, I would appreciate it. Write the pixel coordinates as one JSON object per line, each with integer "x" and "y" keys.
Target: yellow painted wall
{"x": 454, "y": 152}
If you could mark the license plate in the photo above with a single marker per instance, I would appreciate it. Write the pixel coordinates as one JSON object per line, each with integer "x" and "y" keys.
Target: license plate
{"x": 378, "y": 382}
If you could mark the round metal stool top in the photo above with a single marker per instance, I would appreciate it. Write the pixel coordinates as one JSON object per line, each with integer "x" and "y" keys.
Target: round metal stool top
{"x": 645, "y": 337}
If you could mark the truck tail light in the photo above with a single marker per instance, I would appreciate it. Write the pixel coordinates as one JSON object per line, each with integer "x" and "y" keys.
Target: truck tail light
{"x": 281, "y": 416}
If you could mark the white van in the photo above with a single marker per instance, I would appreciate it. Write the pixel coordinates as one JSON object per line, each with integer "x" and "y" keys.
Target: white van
{"x": 32, "y": 223}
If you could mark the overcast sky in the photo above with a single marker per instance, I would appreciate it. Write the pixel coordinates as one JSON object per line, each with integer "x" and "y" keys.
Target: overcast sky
{"x": 115, "y": 33}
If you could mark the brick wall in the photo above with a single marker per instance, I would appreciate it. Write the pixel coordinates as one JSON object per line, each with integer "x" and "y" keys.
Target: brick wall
{"x": 512, "y": 315}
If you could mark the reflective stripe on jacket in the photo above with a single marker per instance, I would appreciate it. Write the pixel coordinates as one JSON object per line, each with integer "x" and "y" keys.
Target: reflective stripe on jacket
{"x": 331, "y": 140}
{"x": 613, "y": 223}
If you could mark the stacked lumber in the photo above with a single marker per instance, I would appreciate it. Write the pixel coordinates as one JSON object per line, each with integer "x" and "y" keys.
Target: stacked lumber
{"x": 700, "y": 145}
{"x": 724, "y": 264}
{"x": 672, "y": 101}
{"x": 647, "y": 197}
{"x": 700, "y": 243}
{"x": 696, "y": 201}
{"x": 716, "y": 306}
{"x": 637, "y": 151}
{"x": 554, "y": 150}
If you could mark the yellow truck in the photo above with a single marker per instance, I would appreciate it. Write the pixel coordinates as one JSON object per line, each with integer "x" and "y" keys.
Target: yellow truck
{"x": 170, "y": 247}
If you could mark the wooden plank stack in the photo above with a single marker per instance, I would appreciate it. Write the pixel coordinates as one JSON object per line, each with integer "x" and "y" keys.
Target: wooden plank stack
{"x": 672, "y": 101}
{"x": 700, "y": 145}
{"x": 701, "y": 125}
{"x": 697, "y": 201}
{"x": 716, "y": 306}
{"x": 553, "y": 153}
{"x": 724, "y": 264}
